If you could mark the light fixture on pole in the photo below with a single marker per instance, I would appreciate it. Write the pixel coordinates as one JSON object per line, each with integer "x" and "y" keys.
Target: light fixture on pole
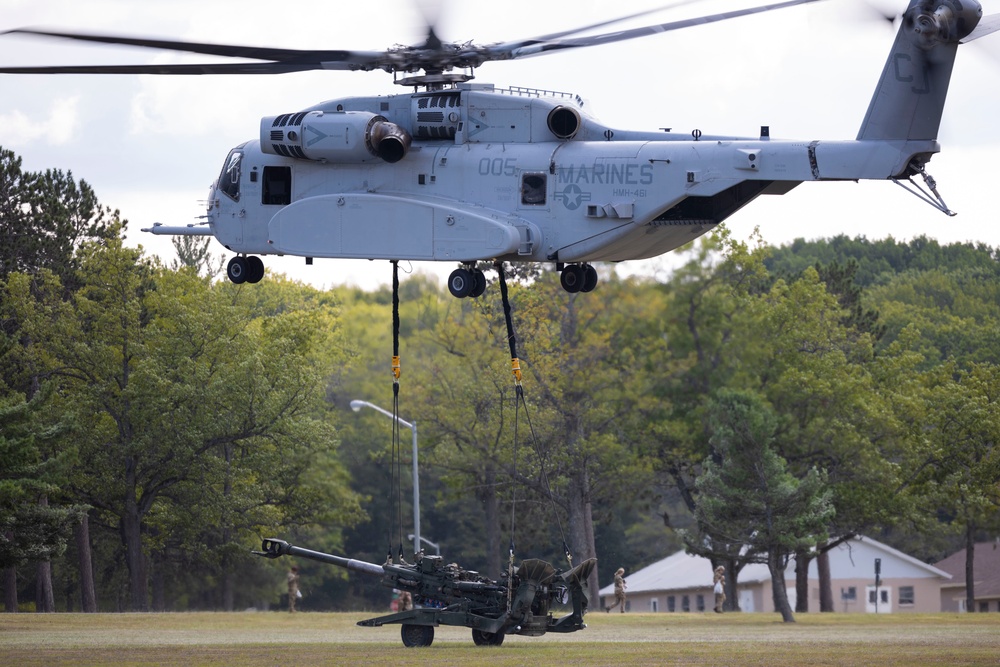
{"x": 356, "y": 406}
{"x": 437, "y": 547}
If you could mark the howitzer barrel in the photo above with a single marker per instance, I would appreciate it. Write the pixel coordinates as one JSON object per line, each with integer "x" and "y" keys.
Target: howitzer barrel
{"x": 272, "y": 548}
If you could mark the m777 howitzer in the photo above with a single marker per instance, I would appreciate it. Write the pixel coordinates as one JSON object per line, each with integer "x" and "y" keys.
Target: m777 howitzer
{"x": 450, "y": 595}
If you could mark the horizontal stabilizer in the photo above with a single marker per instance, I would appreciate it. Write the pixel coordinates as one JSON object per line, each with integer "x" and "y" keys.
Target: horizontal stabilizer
{"x": 987, "y": 24}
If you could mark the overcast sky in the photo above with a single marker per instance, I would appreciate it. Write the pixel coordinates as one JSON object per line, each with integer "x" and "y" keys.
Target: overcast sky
{"x": 151, "y": 146}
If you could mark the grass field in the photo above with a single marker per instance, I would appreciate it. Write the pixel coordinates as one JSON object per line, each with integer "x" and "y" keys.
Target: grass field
{"x": 306, "y": 639}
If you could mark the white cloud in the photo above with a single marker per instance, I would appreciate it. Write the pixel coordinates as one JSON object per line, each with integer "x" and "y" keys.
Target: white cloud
{"x": 57, "y": 129}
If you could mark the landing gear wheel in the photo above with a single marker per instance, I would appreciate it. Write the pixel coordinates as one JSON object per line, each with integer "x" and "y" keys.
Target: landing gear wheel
{"x": 461, "y": 282}
{"x": 237, "y": 270}
{"x": 589, "y": 278}
{"x": 417, "y": 635}
{"x": 480, "y": 287}
{"x": 572, "y": 278}
{"x": 481, "y": 638}
{"x": 255, "y": 269}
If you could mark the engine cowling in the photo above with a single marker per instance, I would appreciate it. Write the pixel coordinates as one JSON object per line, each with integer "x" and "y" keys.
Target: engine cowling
{"x": 339, "y": 136}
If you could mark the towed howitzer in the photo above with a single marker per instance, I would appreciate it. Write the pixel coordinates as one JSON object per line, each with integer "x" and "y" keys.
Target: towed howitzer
{"x": 450, "y": 595}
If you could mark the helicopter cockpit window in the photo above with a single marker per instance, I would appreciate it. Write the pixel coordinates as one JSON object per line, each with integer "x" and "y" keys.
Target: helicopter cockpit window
{"x": 533, "y": 189}
{"x": 277, "y": 189}
{"x": 229, "y": 180}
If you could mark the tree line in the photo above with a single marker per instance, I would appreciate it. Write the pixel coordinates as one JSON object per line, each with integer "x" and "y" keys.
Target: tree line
{"x": 757, "y": 403}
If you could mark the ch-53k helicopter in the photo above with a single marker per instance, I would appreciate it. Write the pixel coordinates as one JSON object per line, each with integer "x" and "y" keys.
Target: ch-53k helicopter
{"x": 466, "y": 172}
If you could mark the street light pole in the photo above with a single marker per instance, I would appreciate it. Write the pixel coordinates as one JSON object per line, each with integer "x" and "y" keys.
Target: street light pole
{"x": 356, "y": 406}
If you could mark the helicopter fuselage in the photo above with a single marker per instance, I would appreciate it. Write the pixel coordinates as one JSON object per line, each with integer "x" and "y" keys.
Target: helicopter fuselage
{"x": 508, "y": 175}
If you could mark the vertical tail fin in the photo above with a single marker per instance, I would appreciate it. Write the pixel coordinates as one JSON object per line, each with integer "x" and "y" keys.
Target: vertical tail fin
{"x": 910, "y": 96}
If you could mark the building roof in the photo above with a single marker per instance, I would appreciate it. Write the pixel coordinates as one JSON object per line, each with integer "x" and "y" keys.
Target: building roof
{"x": 903, "y": 565}
{"x": 985, "y": 568}
{"x": 683, "y": 571}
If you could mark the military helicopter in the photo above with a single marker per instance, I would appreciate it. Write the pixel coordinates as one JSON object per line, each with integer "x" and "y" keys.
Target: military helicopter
{"x": 465, "y": 172}
{"x": 447, "y": 594}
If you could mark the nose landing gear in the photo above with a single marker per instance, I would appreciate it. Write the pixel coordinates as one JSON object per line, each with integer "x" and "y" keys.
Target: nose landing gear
{"x": 248, "y": 269}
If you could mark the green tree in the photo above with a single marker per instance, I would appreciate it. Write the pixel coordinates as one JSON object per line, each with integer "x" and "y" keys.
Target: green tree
{"x": 960, "y": 436}
{"x": 793, "y": 343}
{"x": 195, "y": 252}
{"x": 468, "y": 407}
{"x": 45, "y": 217}
{"x": 751, "y": 498}
{"x": 30, "y": 530}
{"x": 705, "y": 333}
{"x": 581, "y": 387}
{"x": 186, "y": 401}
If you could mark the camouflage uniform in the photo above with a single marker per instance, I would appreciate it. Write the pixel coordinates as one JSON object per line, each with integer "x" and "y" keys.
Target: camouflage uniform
{"x": 619, "y": 590}
{"x": 719, "y": 585}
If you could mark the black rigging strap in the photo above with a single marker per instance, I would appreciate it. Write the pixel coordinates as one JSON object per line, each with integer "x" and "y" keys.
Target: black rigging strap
{"x": 395, "y": 484}
{"x": 515, "y": 363}
{"x": 519, "y": 402}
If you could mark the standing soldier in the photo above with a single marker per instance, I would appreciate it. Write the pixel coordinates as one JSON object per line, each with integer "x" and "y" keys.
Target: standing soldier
{"x": 293, "y": 587}
{"x": 719, "y": 582}
{"x": 619, "y": 591}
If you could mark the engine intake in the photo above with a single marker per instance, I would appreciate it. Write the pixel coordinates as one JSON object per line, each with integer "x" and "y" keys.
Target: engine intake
{"x": 564, "y": 122}
{"x": 342, "y": 136}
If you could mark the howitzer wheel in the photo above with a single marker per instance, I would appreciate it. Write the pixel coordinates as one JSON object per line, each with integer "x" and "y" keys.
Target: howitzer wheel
{"x": 416, "y": 635}
{"x": 481, "y": 638}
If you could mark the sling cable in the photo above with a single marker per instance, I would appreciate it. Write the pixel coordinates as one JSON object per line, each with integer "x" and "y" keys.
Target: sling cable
{"x": 519, "y": 402}
{"x": 395, "y": 504}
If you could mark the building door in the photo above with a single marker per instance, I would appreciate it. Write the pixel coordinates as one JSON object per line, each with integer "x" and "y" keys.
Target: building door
{"x": 746, "y": 600}
{"x": 884, "y": 594}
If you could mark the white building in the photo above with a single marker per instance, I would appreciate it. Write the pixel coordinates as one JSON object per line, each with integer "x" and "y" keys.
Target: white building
{"x": 683, "y": 582}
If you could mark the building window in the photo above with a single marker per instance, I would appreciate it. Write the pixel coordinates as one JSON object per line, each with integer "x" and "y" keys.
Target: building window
{"x": 849, "y": 593}
{"x": 984, "y": 606}
{"x": 685, "y": 603}
{"x": 906, "y": 595}
{"x": 671, "y": 603}
{"x": 700, "y": 602}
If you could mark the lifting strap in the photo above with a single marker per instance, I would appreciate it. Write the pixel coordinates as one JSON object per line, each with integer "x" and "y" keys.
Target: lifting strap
{"x": 519, "y": 402}
{"x": 515, "y": 363}
{"x": 395, "y": 482}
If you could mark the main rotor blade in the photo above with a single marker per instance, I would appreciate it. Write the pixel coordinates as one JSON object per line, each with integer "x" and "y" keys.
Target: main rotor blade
{"x": 633, "y": 33}
{"x": 430, "y": 12}
{"x": 220, "y": 68}
{"x": 565, "y": 33}
{"x": 432, "y": 57}
{"x": 987, "y": 25}
{"x": 359, "y": 59}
